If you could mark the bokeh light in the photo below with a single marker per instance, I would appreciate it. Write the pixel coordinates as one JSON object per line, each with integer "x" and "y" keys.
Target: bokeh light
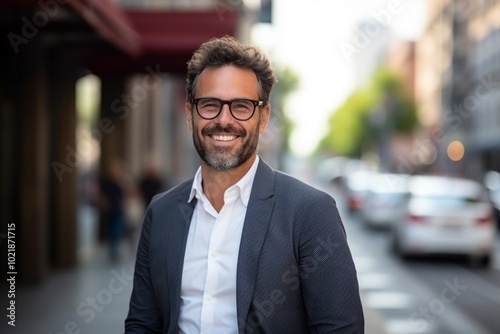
{"x": 456, "y": 150}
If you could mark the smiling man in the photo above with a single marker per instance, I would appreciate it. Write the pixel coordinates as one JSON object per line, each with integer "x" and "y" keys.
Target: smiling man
{"x": 241, "y": 248}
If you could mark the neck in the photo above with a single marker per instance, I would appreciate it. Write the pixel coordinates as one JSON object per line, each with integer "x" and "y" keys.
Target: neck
{"x": 216, "y": 182}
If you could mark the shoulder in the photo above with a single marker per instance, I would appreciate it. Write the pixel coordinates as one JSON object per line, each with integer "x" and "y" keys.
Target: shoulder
{"x": 288, "y": 186}
{"x": 173, "y": 195}
{"x": 272, "y": 182}
{"x": 314, "y": 211}
{"x": 287, "y": 189}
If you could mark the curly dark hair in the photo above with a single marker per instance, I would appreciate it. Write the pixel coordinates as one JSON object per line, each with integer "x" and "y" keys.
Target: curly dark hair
{"x": 227, "y": 50}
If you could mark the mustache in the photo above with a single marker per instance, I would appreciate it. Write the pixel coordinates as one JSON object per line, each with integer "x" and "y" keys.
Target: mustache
{"x": 218, "y": 129}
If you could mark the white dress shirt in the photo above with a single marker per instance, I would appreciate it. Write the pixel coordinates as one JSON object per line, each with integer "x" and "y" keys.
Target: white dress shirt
{"x": 208, "y": 290}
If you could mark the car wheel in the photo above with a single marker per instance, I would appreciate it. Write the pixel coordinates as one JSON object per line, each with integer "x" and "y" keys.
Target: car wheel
{"x": 480, "y": 260}
{"x": 396, "y": 246}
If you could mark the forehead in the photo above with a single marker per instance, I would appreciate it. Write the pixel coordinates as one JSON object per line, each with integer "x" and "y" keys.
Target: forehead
{"x": 227, "y": 82}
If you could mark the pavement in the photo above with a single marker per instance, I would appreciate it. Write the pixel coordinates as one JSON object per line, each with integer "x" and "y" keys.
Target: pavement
{"x": 373, "y": 322}
{"x": 92, "y": 298}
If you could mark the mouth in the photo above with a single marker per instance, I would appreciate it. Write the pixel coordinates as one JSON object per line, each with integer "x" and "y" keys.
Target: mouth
{"x": 223, "y": 138}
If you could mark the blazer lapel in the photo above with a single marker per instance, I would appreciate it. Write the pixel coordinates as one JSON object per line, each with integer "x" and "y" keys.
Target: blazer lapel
{"x": 176, "y": 246}
{"x": 258, "y": 216}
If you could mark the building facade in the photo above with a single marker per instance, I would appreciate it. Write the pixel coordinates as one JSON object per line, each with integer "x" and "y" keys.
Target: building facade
{"x": 137, "y": 52}
{"x": 457, "y": 87}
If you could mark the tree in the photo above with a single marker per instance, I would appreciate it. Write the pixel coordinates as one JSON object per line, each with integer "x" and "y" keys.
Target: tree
{"x": 368, "y": 114}
{"x": 288, "y": 82}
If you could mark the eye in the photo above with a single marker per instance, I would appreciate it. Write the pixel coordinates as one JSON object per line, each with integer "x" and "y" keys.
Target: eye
{"x": 209, "y": 103}
{"x": 242, "y": 105}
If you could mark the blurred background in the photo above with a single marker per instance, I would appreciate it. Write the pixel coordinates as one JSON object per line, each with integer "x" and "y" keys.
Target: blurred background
{"x": 390, "y": 106}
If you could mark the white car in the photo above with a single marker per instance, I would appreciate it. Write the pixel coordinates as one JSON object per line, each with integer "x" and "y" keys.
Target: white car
{"x": 446, "y": 215}
{"x": 357, "y": 184}
{"x": 383, "y": 202}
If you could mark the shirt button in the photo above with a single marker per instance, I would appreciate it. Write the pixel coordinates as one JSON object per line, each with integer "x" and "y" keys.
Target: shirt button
{"x": 214, "y": 254}
{"x": 209, "y": 297}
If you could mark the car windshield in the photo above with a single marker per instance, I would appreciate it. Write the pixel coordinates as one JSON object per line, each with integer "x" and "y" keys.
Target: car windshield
{"x": 358, "y": 181}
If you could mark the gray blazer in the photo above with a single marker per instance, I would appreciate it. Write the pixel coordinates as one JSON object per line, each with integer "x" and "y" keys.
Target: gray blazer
{"x": 295, "y": 272}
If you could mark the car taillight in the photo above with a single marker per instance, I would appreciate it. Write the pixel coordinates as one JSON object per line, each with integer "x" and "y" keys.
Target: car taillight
{"x": 485, "y": 220}
{"x": 355, "y": 202}
{"x": 415, "y": 219}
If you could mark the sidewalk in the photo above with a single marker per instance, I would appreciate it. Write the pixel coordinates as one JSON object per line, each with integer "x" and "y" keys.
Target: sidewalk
{"x": 373, "y": 322}
{"x": 92, "y": 298}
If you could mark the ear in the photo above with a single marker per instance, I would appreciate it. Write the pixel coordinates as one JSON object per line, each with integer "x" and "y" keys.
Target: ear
{"x": 264, "y": 118}
{"x": 188, "y": 107}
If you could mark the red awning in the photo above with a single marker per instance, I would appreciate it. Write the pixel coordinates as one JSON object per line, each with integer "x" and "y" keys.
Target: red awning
{"x": 168, "y": 39}
{"x": 180, "y": 30}
{"x": 103, "y": 16}
{"x": 110, "y": 22}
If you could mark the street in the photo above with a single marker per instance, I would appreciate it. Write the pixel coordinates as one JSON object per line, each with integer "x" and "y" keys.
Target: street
{"x": 422, "y": 295}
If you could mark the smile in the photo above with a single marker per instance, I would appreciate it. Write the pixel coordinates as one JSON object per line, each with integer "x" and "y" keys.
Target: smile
{"x": 223, "y": 137}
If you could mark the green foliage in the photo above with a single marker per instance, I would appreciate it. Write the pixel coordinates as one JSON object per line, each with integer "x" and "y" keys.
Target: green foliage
{"x": 288, "y": 81}
{"x": 384, "y": 105}
{"x": 389, "y": 85}
{"x": 88, "y": 99}
{"x": 346, "y": 126}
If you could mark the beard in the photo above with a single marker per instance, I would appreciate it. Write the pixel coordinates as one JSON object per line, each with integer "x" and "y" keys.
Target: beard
{"x": 221, "y": 158}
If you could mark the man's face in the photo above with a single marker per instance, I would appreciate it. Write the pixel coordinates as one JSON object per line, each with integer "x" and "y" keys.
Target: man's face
{"x": 223, "y": 142}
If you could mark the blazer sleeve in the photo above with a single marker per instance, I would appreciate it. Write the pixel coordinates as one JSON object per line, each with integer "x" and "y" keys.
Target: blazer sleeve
{"x": 144, "y": 315}
{"x": 327, "y": 272}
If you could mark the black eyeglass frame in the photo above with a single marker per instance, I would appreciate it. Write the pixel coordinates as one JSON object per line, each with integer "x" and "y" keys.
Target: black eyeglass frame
{"x": 228, "y": 102}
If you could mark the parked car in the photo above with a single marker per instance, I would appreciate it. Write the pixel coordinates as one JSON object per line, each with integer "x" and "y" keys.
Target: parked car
{"x": 330, "y": 169}
{"x": 492, "y": 182}
{"x": 336, "y": 169}
{"x": 495, "y": 201}
{"x": 445, "y": 215}
{"x": 383, "y": 202}
{"x": 356, "y": 189}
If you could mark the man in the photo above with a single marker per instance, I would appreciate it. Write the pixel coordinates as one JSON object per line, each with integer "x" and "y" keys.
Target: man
{"x": 241, "y": 248}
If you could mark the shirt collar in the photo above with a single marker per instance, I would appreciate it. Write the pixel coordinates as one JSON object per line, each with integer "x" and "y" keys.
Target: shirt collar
{"x": 244, "y": 185}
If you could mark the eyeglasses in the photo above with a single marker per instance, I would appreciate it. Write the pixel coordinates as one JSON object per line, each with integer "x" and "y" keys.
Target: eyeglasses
{"x": 241, "y": 109}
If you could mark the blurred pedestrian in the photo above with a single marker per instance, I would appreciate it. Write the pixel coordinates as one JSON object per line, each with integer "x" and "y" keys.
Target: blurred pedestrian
{"x": 241, "y": 248}
{"x": 113, "y": 191}
{"x": 151, "y": 182}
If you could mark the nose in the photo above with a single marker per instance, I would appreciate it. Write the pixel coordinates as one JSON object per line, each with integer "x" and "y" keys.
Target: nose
{"x": 225, "y": 116}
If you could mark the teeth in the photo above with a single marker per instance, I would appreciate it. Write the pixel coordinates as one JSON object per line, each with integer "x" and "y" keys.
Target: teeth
{"x": 223, "y": 137}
